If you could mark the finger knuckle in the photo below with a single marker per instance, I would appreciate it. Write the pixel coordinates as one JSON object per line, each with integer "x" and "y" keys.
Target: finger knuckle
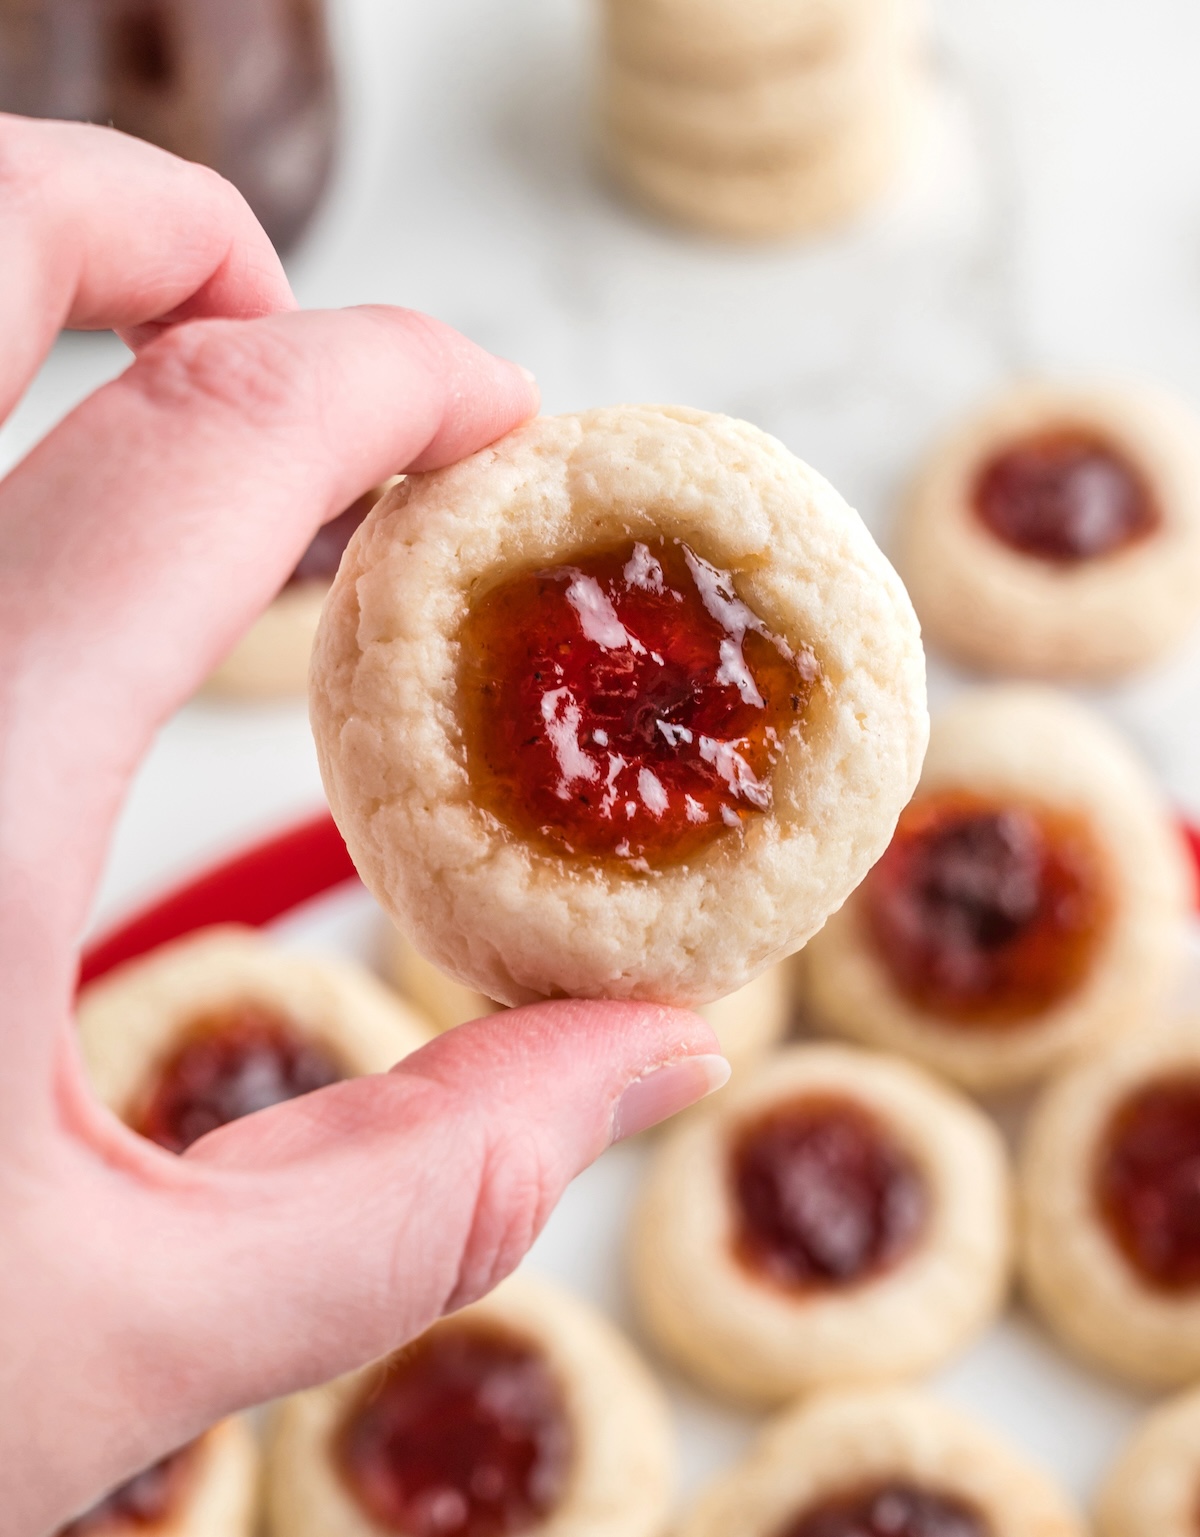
{"x": 245, "y": 369}
{"x": 516, "y": 1192}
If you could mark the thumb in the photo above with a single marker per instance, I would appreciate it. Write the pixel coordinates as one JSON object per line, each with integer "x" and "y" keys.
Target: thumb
{"x": 327, "y": 1231}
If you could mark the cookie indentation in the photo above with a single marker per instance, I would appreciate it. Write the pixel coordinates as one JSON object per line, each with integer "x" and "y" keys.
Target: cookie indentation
{"x": 892, "y": 1509}
{"x": 627, "y": 705}
{"x": 466, "y": 1435}
{"x": 824, "y": 1195}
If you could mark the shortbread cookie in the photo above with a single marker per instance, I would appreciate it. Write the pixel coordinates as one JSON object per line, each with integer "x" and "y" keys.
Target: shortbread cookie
{"x": 820, "y": 182}
{"x": 215, "y": 1026}
{"x": 1033, "y": 903}
{"x": 769, "y": 114}
{"x": 526, "y": 1412}
{"x": 271, "y": 659}
{"x": 1111, "y": 1241}
{"x": 622, "y": 706}
{"x": 1056, "y": 532}
{"x": 747, "y": 1023}
{"x": 882, "y": 1464}
{"x": 209, "y": 1488}
{"x": 723, "y": 41}
{"x": 838, "y": 1217}
{"x": 1153, "y": 1488}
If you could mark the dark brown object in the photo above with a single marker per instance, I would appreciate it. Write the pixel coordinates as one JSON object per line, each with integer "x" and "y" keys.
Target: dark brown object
{"x": 244, "y": 86}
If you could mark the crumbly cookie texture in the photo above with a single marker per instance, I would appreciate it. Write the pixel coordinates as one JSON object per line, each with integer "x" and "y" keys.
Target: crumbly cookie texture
{"x": 515, "y": 923}
{"x": 624, "y": 1460}
{"x": 132, "y": 1019}
{"x": 1040, "y": 747}
{"x": 1151, "y": 1489}
{"x": 1072, "y": 1271}
{"x": 814, "y": 184}
{"x": 271, "y": 659}
{"x": 718, "y": 42}
{"x": 746, "y": 1338}
{"x": 1001, "y": 610}
{"x": 773, "y": 113}
{"x": 841, "y": 1441}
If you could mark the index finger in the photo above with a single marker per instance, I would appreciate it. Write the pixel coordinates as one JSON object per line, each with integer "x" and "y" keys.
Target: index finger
{"x": 100, "y": 230}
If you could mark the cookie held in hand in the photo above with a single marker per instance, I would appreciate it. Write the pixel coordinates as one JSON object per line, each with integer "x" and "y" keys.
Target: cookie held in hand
{"x": 623, "y": 706}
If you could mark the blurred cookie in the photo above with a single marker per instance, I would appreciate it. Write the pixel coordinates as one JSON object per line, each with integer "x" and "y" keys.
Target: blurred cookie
{"x": 208, "y": 1488}
{"x": 1033, "y": 903}
{"x": 805, "y": 188}
{"x": 1153, "y": 1488}
{"x": 271, "y": 659}
{"x": 722, "y": 41}
{"x": 1056, "y": 532}
{"x": 440, "y": 998}
{"x": 837, "y": 1217}
{"x": 621, "y": 706}
{"x": 775, "y": 113}
{"x": 1108, "y": 1186}
{"x": 526, "y": 1412}
{"x": 213, "y": 1027}
{"x": 881, "y": 1463}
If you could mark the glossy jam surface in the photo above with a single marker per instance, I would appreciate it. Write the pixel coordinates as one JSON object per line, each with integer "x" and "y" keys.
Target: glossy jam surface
{"x": 466, "y": 1435}
{"x": 145, "y": 1501}
{"x": 1065, "y": 496}
{"x": 627, "y": 705}
{"x": 1147, "y": 1182}
{"x": 320, "y": 561}
{"x": 824, "y": 1196}
{"x": 986, "y": 912}
{"x": 893, "y": 1509}
{"x": 230, "y": 1064}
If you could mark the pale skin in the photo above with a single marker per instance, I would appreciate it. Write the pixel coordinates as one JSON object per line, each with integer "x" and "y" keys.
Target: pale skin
{"x": 143, "y": 1296}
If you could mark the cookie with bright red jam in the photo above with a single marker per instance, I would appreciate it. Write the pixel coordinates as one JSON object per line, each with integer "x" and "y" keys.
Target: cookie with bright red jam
{"x": 1066, "y": 496}
{"x": 147, "y": 1500}
{"x": 824, "y": 1195}
{"x": 228, "y": 1064}
{"x": 466, "y": 1434}
{"x": 627, "y": 704}
{"x": 1147, "y": 1182}
{"x": 891, "y": 1509}
{"x": 987, "y": 912}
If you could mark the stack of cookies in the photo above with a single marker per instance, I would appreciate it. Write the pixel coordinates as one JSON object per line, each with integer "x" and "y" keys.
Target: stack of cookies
{"x": 759, "y": 118}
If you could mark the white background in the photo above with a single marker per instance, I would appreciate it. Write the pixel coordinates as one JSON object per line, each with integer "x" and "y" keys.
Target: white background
{"x": 1052, "y": 223}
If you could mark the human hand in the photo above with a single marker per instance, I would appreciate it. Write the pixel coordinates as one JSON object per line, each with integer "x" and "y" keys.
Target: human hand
{"x": 145, "y": 1296}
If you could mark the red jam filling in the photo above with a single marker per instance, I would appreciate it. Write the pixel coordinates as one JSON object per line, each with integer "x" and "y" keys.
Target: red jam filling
{"x": 1147, "y": 1182}
{"x": 627, "y": 705}
{"x": 231, "y": 1064}
{"x": 320, "y": 561}
{"x": 145, "y": 1501}
{"x": 893, "y": 1509}
{"x": 1064, "y": 496}
{"x": 824, "y": 1197}
{"x": 984, "y": 912}
{"x": 466, "y": 1435}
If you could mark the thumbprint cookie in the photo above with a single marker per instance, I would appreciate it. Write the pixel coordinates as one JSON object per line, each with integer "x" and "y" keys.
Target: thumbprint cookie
{"x": 747, "y": 1023}
{"x": 838, "y": 1217}
{"x": 1110, "y": 1207}
{"x": 622, "y": 706}
{"x": 524, "y": 1413}
{"x": 271, "y": 659}
{"x": 1032, "y": 904}
{"x": 218, "y": 1025}
{"x": 208, "y": 1488}
{"x": 1153, "y": 1488}
{"x": 882, "y": 1463}
{"x": 1056, "y": 533}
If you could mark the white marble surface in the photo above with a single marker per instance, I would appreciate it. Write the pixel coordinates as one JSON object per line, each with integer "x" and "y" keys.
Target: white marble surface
{"x": 1053, "y": 223}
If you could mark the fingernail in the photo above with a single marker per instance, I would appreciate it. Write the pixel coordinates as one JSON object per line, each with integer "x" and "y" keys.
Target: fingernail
{"x": 528, "y": 373}
{"x": 665, "y": 1090}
